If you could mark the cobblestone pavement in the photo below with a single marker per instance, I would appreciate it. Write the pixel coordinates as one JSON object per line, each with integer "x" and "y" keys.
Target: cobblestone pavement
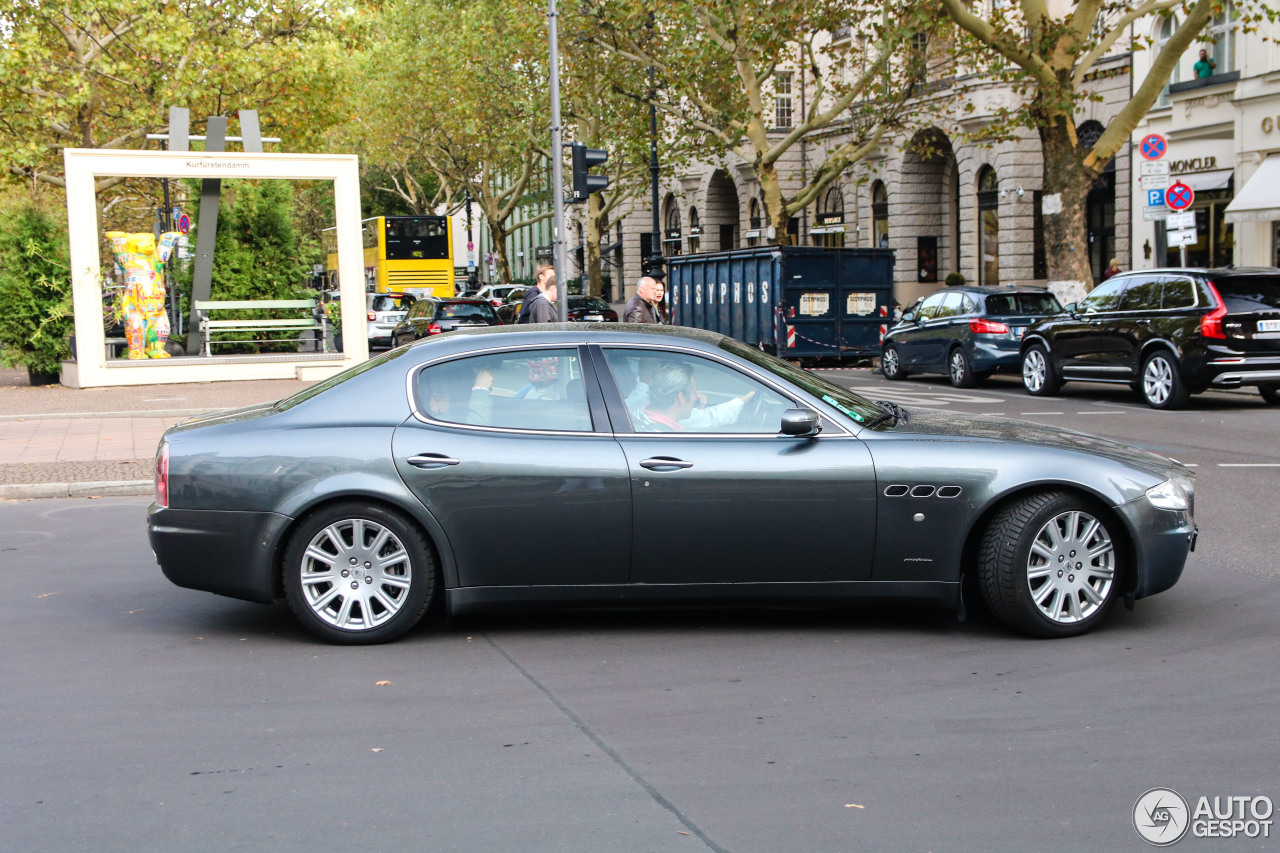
{"x": 57, "y": 435}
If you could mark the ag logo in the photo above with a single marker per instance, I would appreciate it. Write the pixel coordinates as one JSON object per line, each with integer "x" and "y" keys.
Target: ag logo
{"x": 1161, "y": 817}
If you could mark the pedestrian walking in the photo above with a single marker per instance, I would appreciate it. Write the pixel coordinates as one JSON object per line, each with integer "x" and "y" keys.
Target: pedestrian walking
{"x": 1111, "y": 270}
{"x": 640, "y": 307}
{"x": 544, "y": 273}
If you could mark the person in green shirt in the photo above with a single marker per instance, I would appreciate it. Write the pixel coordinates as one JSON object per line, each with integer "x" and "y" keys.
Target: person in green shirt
{"x": 1205, "y": 66}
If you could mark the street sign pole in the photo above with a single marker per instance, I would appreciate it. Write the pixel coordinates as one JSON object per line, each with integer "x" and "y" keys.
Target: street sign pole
{"x": 557, "y": 170}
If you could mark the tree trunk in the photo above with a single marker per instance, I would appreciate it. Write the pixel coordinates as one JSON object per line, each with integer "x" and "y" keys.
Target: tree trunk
{"x": 595, "y": 233}
{"x": 1066, "y": 189}
{"x": 775, "y": 207}
{"x": 498, "y": 234}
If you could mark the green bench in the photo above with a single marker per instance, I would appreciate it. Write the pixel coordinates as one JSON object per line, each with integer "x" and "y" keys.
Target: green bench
{"x": 313, "y": 321}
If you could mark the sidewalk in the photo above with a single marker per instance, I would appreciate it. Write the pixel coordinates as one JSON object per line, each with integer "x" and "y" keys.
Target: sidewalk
{"x": 57, "y": 441}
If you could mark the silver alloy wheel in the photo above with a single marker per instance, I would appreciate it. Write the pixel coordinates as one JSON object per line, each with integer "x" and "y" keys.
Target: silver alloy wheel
{"x": 1071, "y": 567}
{"x": 957, "y": 367}
{"x": 355, "y": 574}
{"x": 889, "y": 362}
{"x": 1034, "y": 369}
{"x": 1157, "y": 380}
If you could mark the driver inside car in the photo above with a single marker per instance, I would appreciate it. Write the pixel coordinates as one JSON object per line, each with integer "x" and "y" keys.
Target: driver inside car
{"x": 670, "y": 402}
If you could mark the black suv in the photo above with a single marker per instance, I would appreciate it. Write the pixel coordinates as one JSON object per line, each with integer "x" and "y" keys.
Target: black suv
{"x": 1166, "y": 333}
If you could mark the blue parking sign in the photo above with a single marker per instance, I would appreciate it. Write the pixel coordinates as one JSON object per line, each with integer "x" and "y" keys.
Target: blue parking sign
{"x": 1155, "y": 198}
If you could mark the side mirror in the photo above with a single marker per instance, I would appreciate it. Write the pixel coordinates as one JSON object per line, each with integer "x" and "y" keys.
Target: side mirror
{"x": 802, "y": 423}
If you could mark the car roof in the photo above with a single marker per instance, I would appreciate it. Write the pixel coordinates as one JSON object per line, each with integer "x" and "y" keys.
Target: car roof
{"x": 1216, "y": 272}
{"x": 575, "y": 332}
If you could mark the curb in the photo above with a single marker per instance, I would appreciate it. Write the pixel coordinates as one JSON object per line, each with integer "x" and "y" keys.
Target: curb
{"x": 99, "y": 488}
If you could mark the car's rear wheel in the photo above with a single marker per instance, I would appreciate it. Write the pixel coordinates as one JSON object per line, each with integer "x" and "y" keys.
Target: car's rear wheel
{"x": 1162, "y": 385}
{"x": 1048, "y": 565}
{"x": 1270, "y": 393}
{"x": 961, "y": 370}
{"x": 1037, "y": 373}
{"x": 358, "y": 574}
{"x": 891, "y": 363}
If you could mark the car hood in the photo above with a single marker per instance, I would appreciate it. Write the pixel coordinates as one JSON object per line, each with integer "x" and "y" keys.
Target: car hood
{"x": 936, "y": 422}
{"x": 246, "y": 413}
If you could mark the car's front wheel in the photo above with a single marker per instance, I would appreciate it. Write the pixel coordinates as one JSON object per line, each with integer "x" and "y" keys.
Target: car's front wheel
{"x": 891, "y": 363}
{"x": 358, "y": 574}
{"x": 1037, "y": 373}
{"x": 1162, "y": 384}
{"x": 1049, "y": 566}
{"x": 961, "y": 369}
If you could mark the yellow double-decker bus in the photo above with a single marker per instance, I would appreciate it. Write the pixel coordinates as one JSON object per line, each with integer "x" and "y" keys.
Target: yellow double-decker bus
{"x": 402, "y": 254}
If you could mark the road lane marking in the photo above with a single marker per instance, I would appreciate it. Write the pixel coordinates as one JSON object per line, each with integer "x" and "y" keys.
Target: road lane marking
{"x": 1107, "y": 412}
{"x": 1249, "y": 464}
{"x": 1042, "y": 413}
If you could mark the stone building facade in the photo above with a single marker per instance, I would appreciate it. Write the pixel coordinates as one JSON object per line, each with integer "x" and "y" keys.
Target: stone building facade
{"x": 940, "y": 201}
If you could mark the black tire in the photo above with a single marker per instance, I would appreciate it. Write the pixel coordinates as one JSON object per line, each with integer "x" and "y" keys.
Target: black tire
{"x": 1270, "y": 394}
{"x": 891, "y": 363}
{"x": 960, "y": 369}
{"x": 335, "y": 547}
{"x": 1053, "y": 591}
{"x": 1162, "y": 383}
{"x": 1038, "y": 375}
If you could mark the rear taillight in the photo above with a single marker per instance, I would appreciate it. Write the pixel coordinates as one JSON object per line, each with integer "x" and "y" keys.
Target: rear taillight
{"x": 433, "y": 329}
{"x": 162, "y": 475}
{"x": 988, "y": 327}
{"x": 495, "y": 302}
{"x": 1211, "y": 323}
{"x": 371, "y": 315}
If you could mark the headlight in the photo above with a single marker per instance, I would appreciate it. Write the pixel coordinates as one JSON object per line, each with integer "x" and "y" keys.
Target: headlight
{"x": 1168, "y": 495}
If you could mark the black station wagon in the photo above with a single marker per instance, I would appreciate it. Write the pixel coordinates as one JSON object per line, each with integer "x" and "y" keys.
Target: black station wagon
{"x": 1167, "y": 333}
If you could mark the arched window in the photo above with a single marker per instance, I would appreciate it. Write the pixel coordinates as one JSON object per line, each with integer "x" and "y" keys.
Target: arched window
{"x": 830, "y": 226}
{"x": 755, "y": 223}
{"x": 695, "y": 230}
{"x": 672, "y": 237}
{"x": 879, "y": 216}
{"x": 988, "y": 226}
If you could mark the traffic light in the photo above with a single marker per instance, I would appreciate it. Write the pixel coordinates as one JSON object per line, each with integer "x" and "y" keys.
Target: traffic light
{"x": 585, "y": 158}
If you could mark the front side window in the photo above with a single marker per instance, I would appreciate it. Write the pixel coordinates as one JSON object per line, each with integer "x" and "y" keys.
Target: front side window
{"x": 1105, "y": 297}
{"x": 677, "y": 392}
{"x": 526, "y": 390}
{"x": 931, "y": 307}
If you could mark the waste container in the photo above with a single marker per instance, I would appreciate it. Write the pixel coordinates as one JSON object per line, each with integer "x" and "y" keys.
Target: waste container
{"x": 794, "y": 301}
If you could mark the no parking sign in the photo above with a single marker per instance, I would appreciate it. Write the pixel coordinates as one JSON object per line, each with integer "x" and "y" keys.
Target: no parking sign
{"x": 1179, "y": 196}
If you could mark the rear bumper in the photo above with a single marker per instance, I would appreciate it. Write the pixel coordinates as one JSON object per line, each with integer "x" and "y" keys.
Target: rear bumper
{"x": 1237, "y": 373}
{"x": 995, "y": 355}
{"x": 228, "y": 553}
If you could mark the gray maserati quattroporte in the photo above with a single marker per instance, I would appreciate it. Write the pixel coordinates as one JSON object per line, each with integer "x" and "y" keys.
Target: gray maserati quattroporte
{"x": 648, "y": 466}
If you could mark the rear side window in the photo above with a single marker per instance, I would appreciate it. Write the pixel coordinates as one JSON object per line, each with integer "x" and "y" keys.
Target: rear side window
{"x": 1142, "y": 294}
{"x": 1250, "y": 293}
{"x": 1032, "y": 304}
{"x": 1178, "y": 293}
{"x": 528, "y": 390}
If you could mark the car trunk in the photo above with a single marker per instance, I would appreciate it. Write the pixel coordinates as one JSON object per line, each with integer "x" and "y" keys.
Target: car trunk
{"x": 1253, "y": 310}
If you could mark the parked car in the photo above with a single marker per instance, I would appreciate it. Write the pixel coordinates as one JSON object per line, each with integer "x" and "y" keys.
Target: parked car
{"x": 967, "y": 333}
{"x": 366, "y": 499}
{"x": 1167, "y": 333}
{"x": 384, "y": 311}
{"x": 582, "y": 309}
{"x": 434, "y": 316}
{"x": 496, "y": 294}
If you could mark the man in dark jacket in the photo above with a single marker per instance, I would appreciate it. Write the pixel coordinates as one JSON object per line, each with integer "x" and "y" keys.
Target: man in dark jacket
{"x": 640, "y": 308}
{"x": 544, "y": 273}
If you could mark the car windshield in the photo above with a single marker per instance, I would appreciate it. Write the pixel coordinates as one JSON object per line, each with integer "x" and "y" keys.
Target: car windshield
{"x": 858, "y": 409}
{"x": 466, "y": 311}
{"x": 1031, "y": 304}
{"x": 1250, "y": 293}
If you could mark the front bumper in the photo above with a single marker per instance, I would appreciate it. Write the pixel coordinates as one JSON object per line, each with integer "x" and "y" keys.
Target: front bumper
{"x": 1162, "y": 539}
{"x": 228, "y": 553}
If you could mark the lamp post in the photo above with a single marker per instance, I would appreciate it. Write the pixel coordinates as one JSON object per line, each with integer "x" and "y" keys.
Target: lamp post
{"x": 652, "y": 265}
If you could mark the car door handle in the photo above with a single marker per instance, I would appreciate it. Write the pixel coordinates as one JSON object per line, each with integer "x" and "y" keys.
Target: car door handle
{"x": 665, "y": 463}
{"x": 431, "y": 460}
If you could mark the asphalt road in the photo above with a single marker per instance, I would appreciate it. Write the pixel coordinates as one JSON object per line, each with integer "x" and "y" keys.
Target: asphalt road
{"x": 139, "y": 716}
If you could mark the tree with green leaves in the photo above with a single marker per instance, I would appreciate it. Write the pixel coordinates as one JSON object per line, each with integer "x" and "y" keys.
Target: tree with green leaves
{"x": 96, "y": 74}
{"x": 1051, "y": 60}
{"x": 460, "y": 87}
{"x": 35, "y": 284}
{"x": 722, "y": 62}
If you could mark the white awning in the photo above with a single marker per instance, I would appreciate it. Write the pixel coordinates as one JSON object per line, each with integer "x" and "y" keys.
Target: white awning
{"x": 1203, "y": 182}
{"x": 1259, "y": 200}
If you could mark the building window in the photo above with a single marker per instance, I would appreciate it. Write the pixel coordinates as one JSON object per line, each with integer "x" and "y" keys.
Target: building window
{"x": 879, "y": 216}
{"x": 1222, "y": 29}
{"x": 782, "y": 100}
{"x": 755, "y": 223}
{"x": 1164, "y": 31}
{"x": 988, "y": 226}
{"x": 829, "y": 232}
{"x": 695, "y": 230}
{"x": 672, "y": 236}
